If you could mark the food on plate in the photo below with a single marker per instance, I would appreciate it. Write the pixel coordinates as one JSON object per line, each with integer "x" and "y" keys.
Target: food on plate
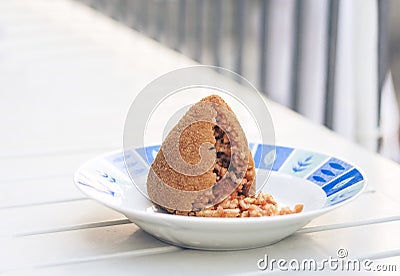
{"x": 236, "y": 205}
{"x": 205, "y": 168}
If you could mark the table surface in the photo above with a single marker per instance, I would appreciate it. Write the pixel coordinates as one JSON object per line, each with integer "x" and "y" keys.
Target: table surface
{"x": 67, "y": 78}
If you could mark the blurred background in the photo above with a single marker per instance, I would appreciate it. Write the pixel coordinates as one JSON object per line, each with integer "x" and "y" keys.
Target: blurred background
{"x": 336, "y": 62}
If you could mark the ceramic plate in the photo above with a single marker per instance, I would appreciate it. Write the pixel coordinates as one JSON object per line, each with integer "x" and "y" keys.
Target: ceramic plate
{"x": 318, "y": 181}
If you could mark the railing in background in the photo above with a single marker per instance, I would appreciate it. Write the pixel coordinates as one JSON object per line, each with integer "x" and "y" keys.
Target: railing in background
{"x": 287, "y": 49}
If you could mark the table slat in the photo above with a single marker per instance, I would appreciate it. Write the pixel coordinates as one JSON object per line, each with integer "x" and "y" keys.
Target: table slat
{"x": 54, "y": 217}
{"x": 67, "y": 246}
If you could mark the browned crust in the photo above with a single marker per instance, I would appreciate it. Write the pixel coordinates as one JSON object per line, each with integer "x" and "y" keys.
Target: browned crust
{"x": 217, "y": 100}
{"x": 190, "y": 140}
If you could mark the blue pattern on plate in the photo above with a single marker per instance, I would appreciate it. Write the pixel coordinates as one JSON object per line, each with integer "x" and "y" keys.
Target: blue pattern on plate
{"x": 342, "y": 182}
{"x": 148, "y": 154}
{"x": 338, "y": 179}
{"x": 344, "y": 194}
{"x": 331, "y": 169}
{"x": 107, "y": 176}
{"x": 106, "y": 191}
{"x": 99, "y": 180}
{"x": 265, "y": 156}
{"x": 302, "y": 162}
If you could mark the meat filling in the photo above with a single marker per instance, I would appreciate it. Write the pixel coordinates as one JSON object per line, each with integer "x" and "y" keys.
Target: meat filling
{"x": 223, "y": 161}
{"x": 242, "y": 202}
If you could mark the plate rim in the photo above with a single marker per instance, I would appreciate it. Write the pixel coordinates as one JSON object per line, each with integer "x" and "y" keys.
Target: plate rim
{"x": 143, "y": 214}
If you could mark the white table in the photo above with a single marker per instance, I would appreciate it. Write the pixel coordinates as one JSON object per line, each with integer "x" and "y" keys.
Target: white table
{"x": 67, "y": 78}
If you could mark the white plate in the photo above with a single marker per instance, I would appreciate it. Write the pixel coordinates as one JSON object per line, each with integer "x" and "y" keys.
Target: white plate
{"x": 318, "y": 181}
